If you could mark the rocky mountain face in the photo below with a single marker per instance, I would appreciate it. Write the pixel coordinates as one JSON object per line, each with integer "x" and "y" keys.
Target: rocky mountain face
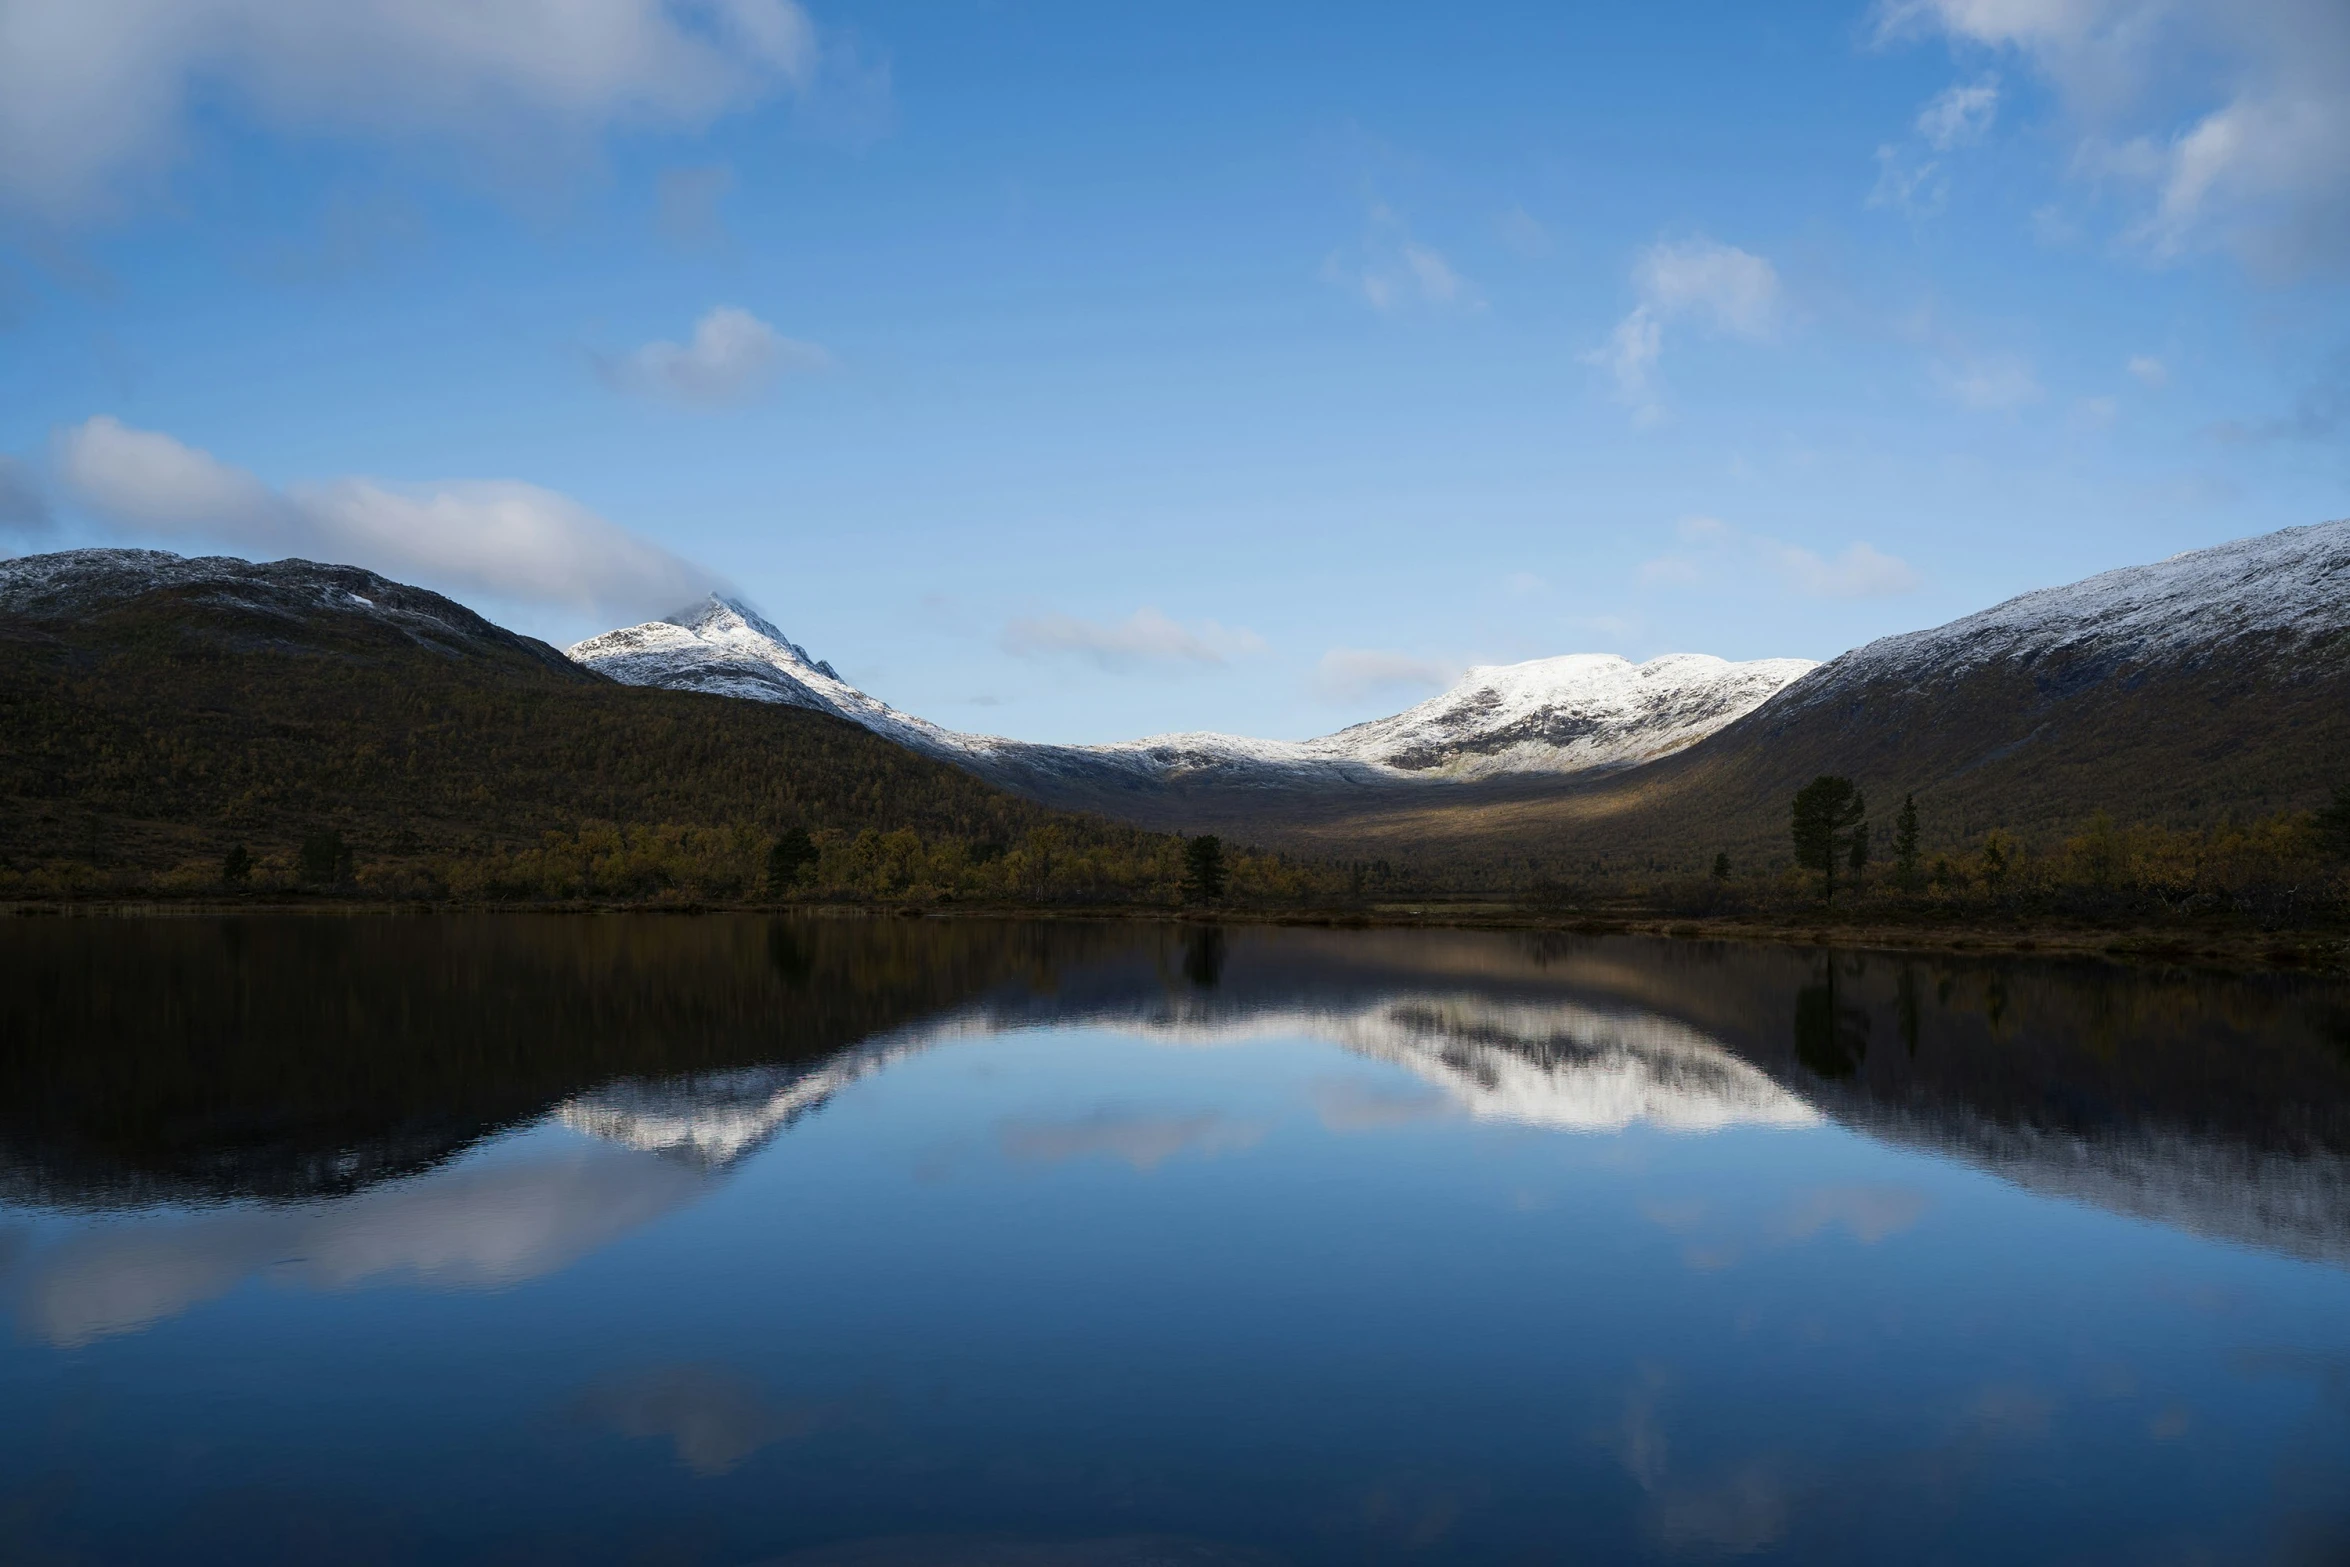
{"x": 1551, "y": 717}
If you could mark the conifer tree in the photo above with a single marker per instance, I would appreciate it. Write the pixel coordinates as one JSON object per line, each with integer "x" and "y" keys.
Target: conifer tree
{"x": 784, "y": 859}
{"x": 1203, "y": 869}
{"x": 1830, "y": 823}
{"x": 236, "y": 865}
{"x": 1722, "y": 866}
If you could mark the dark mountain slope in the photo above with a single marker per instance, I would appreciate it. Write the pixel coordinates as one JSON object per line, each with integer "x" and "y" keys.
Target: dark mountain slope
{"x": 2214, "y": 685}
{"x": 153, "y": 710}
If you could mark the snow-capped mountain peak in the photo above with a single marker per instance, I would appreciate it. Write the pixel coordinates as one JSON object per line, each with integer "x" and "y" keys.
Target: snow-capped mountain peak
{"x": 1571, "y": 714}
{"x": 731, "y": 622}
{"x": 1568, "y": 714}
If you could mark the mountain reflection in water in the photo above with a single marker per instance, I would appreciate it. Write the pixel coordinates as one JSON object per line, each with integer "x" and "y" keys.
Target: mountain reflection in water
{"x": 733, "y": 1240}
{"x": 295, "y": 1096}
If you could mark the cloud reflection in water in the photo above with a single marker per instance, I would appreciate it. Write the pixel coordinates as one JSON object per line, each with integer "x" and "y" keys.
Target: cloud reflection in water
{"x": 474, "y": 1226}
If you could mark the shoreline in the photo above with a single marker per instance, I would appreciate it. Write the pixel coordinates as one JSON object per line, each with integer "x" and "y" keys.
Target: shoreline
{"x": 2307, "y": 950}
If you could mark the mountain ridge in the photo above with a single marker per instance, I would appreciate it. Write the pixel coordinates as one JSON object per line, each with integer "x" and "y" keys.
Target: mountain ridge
{"x": 1570, "y": 714}
{"x": 2210, "y": 686}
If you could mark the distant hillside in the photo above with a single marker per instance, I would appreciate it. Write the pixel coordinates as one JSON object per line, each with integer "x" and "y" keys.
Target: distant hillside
{"x": 153, "y": 710}
{"x": 2210, "y": 686}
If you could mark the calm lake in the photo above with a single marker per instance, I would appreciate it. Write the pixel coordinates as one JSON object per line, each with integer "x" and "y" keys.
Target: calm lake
{"x": 725, "y": 1240}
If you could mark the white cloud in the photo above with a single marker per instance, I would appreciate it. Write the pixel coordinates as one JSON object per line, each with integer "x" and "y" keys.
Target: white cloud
{"x": 1731, "y": 290}
{"x": 1734, "y": 289}
{"x": 1525, "y": 584}
{"x": 1438, "y": 282}
{"x": 495, "y": 536}
{"x": 1145, "y": 637}
{"x": 1861, "y": 571}
{"x": 93, "y": 90}
{"x": 1630, "y": 355}
{"x": 2231, "y": 118}
{"x": 2150, "y": 370}
{"x": 1390, "y": 269}
{"x": 1911, "y": 182}
{"x": 732, "y": 357}
{"x": 1915, "y": 190}
{"x": 1959, "y": 114}
{"x": 1709, "y": 550}
{"x": 473, "y": 1226}
{"x": 1348, "y": 674}
{"x": 1990, "y": 383}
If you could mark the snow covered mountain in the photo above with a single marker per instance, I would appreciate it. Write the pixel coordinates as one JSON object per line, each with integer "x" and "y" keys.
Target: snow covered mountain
{"x": 2287, "y": 590}
{"x": 2210, "y": 685}
{"x": 1577, "y": 714}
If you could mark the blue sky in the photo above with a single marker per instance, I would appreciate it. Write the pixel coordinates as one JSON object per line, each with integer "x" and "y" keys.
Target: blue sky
{"x": 1076, "y": 372}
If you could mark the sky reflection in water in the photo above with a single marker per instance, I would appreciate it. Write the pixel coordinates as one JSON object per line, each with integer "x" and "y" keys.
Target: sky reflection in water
{"x": 730, "y": 1241}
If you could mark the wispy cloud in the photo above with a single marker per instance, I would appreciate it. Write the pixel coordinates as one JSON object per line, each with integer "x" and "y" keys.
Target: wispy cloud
{"x": 90, "y": 94}
{"x": 1989, "y": 383}
{"x": 1860, "y": 571}
{"x": 1143, "y": 638}
{"x": 1721, "y": 286}
{"x": 2230, "y": 119}
{"x": 2149, "y": 370}
{"x": 1910, "y": 176}
{"x": 1707, "y": 550}
{"x": 1348, "y": 674}
{"x": 1914, "y": 188}
{"x": 497, "y": 536}
{"x": 732, "y": 358}
{"x": 1390, "y": 270}
{"x": 1959, "y": 114}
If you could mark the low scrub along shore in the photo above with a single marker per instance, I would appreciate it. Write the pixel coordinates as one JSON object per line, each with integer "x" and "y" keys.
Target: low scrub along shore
{"x": 2276, "y": 890}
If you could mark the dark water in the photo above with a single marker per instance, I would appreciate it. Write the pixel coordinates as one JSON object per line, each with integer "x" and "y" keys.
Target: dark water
{"x": 721, "y": 1241}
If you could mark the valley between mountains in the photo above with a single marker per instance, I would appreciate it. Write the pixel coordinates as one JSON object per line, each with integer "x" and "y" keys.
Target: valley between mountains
{"x": 337, "y": 729}
{"x": 2215, "y": 682}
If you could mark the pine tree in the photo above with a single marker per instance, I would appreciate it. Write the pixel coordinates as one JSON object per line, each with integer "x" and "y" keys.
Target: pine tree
{"x": 1830, "y": 823}
{"x": 236, "y": 865}
{"x": 1722, "y": 866}
{"x": 1203, "y": 869}
{"x": 785, "y": 858}
{"x": 1905, "y": 843}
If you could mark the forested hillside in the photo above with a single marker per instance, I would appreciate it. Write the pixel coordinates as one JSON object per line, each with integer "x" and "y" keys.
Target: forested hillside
{"x": 155, "y": 721}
